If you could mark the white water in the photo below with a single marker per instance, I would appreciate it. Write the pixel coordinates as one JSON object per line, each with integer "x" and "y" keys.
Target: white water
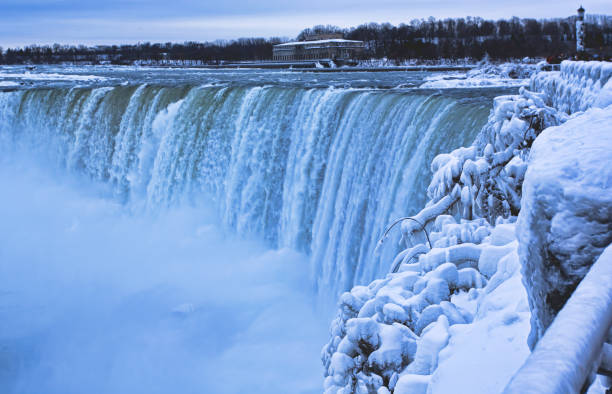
{"x": 316, "y": 170}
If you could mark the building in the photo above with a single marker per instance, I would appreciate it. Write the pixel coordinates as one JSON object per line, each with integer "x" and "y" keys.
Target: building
{"x": 319, "y": 47}
{"x": 580, "y": 30}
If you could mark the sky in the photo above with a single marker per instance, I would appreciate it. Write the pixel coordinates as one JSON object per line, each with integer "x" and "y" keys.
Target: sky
{"x": 24, "y": 22}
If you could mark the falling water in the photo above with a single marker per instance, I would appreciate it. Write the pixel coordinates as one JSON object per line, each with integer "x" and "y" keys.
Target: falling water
{"x": 318, "y": 170}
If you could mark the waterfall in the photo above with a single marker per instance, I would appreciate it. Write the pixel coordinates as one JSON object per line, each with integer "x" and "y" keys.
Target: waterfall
{"x": 319, "y": 170}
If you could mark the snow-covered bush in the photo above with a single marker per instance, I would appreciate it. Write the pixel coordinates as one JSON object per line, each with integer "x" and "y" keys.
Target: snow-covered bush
{"x": 485, "y": 179}
{"x": 388, "y": 335}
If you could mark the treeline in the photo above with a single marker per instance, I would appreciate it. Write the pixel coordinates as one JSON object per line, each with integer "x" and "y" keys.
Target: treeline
{"x": 475, "y": 37}
{"x": 207, "y": 52}
{"x": 420, "y": 39}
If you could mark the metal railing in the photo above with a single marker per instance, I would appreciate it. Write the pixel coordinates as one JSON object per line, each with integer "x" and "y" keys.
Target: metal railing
{"x": 395, "y": 267}
{"x": 573, "y": 347}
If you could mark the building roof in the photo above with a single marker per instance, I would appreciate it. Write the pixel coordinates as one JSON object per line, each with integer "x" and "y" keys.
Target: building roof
{"x": 294, "y": 43}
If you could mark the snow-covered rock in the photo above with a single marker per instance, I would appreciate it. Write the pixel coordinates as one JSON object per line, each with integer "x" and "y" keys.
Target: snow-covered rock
{"x": 566, "y": 211}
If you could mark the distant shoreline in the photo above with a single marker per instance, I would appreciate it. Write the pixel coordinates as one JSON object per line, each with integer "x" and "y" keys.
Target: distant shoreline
{"x": 302, "y": 67}
{"x": 296, "y": 66}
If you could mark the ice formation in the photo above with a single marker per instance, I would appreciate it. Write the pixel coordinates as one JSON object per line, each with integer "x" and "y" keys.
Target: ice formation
{"x": 572, "y": 346}
{"x": 460, "y": 304}
{"x": 578, "y": 86}
{"x": 401, "y": 333}
{"x": 566, "y": 211}
{"x": 489, "y": 75}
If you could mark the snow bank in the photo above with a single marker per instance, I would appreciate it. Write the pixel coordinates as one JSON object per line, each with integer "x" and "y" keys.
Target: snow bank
{"x": 565, "y": 357}
{"x": 9, "y": 84}
{"x": 36, "y": 76}
{"x": 481, "y": 357}
{"x": 577, "y": 87}
{"x": 407, "y": 332}
{"x": 457, "y": 83}
{"x": 566, "y": 211}
{"x": 503, "y": 75}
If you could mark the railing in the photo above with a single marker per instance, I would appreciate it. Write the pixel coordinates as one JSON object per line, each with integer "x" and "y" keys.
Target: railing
{"x": 574, "y": 346}
{"x": 396, "y": 264}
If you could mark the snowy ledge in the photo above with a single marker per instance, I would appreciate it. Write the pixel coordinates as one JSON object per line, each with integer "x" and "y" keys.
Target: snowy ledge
{"x": 562, "y": 360}
{"x": 456, "y": 318}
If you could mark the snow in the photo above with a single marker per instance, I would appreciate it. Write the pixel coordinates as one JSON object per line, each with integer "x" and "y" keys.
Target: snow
{"x": 577, "y": 87}
{"x": 415, "y": 327}
{"x": 412, "y": 384}
{"x": 485, "y": 179}
{"x": 314, "y": 42}
{"x": 503, "y": 75}
{"x": 51, "y": 76}
{"x": 564, "y": 358}
{"x": 545, "y": 155}
{"x": 8, "y": 84}
{"x": 566, "y": 211}
{"x": 473, "y": 82}
{"x": 471, "y": 363}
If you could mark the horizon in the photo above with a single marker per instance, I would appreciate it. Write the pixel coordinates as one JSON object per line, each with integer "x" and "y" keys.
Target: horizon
{"x": 91, "y": 23}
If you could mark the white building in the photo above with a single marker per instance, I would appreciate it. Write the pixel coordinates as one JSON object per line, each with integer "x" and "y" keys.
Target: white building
{"x": 332, "y": 47}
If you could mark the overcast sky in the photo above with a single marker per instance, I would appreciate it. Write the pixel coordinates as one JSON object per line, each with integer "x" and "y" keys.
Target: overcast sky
{"x": 24, "y": 22}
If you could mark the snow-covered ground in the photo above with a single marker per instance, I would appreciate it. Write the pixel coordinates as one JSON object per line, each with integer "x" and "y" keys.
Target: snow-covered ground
{"x": 439, "y": 321}
{"x": 8, "y": 78}
{"x": 455, "y": 317}
{"x": 503, "y": 75}
{"x": 8, "y": 84}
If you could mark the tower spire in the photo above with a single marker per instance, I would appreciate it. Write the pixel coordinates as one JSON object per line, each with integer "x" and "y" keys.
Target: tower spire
{"x": 580, "y": 30}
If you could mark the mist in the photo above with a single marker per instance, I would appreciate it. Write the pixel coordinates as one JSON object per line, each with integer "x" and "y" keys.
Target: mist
{"x": 97, "y": 297}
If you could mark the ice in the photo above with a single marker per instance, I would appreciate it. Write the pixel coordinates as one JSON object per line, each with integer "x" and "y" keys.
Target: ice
{"x": 433, "y": 339}
{"x": 363, "y": 331}
{"x": 51, "y": 76}
{"x": 474, "y": 82}
{"x": 502, "y": 234}
{"x": 577, "y": 87}
{"x": 490, "y": 257}
{"x": 566, "y": 211}
{"x": 485, "y": 76}
{"x": 470, "y": 278}
{"x": 341, "y": 365}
